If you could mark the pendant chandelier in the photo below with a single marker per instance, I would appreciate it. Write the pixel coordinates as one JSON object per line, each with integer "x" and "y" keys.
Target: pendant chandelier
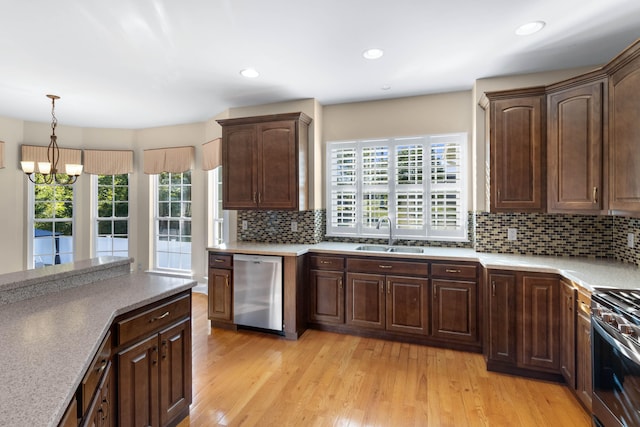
{"x": 49, "y": 169}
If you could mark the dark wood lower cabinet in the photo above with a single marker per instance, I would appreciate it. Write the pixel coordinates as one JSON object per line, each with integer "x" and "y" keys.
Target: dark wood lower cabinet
{"x": 365, "y": 300}
{"x": 524, "y": 322}
{"x": 568, "y": 333}
{"x": 584, "y": 380}
{"x": 326, "y": 298}
{"x": 154, "y": 367}
{"x": 406, "y": 305}
{"x": 454, "y": 310}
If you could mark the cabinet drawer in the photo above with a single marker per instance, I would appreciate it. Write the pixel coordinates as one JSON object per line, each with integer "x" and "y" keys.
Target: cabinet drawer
{"x": 220, "y": 261}
{"x": 93, "y": 375}
{"x": 153, "y": 319}
{"x": 327, "y": 262}
{"x": 387, "y": 266}
{"x": 454, "y": 270}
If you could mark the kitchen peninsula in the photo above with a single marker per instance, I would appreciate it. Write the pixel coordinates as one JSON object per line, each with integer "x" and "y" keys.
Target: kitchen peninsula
{"x": 54, "y": 322}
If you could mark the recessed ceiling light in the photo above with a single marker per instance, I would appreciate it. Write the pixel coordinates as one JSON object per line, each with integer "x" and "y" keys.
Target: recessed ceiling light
{"x": 373, "y": 53}
{"x": 385, "y": 87}
{"x": 530, "y": 28}
{"x": 249, "y": 73}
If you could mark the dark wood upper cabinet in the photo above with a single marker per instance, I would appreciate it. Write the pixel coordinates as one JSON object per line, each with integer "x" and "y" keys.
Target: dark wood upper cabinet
{"x": 516, "y": 124}
{"x": 575, "y": 141}
{"x": 264, "y": 162}
{"x": 624, "y": 131}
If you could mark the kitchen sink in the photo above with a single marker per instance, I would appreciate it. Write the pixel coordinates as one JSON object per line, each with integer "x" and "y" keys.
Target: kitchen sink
{"x": 372, "y": 248}
{"x": 406, "y": 250}
{"x": 397, "y": 249}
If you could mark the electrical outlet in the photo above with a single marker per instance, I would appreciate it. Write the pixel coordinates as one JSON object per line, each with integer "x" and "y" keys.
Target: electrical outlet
{"x": 512, "y": 234}
{"x": 631, "y": 240}
{"x": 294, "y": 226}
{"x": 244, "y": 224}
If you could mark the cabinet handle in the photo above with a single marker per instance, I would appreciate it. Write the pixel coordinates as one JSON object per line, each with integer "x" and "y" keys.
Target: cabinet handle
{"x": 595, "y": 194}
{"x": 105, "y": 413}
{"x": 325, "y": 262}
{"x": 255, "y": 196}
{"x": 340, "y": 283}
{"x": 435, "y": 292}
{"x": 385, "y": 266}
{"x": 162, "y": 316}
{"x": 155, "y": 354}
{"x": 103, "y": 366}
{"x": 226, "y": 281}
{"x": 218, "y": 260}
{"x": 259, "y": 198}
{"x": 388, "y": 288}
{"x": 493, "y": 288}
{"x": 381, "y": 287}
{"x": 452, "y": 270}
{"x": 164, "y": 349}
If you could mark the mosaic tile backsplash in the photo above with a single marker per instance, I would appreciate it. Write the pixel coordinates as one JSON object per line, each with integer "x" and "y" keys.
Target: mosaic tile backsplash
{"x": 537, "y": 234}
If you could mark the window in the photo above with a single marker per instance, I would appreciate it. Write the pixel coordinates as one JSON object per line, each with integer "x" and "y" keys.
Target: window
{"x": 51, "y": 224}
{"x": 219, "y": 219}
{"x": 172, "y": 221}
{"x": 111, "y": 219}
{"x": 418, "y": 182}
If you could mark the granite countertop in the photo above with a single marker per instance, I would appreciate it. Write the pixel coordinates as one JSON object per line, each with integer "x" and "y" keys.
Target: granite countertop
{"x": 48, "y": 342}
{"x": 589, "y": 273}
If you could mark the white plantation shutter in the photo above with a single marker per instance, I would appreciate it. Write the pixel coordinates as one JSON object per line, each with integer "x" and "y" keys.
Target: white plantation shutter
{"x": 447, "y": 182}
{"x": 342, "y": 177}
{"x": 419, "y": 182}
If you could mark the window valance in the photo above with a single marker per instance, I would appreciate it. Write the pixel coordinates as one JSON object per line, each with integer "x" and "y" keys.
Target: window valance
{"x": 212, "y": 154}
{"x": 108, "y": 162}
{"x": 37, "y": 153}
{"x": 174, "y": 160}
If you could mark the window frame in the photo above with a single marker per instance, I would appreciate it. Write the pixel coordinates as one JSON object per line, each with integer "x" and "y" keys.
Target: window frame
{"x": 95, "y": 230}
{"x": 216, "y": 214}
{"x": 353, "y": 186}
{"x": 31, "y": 220}
{"x": 155, "y": 180}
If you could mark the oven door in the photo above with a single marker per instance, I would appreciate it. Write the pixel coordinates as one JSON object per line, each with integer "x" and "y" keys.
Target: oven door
{"x": 616, "y": 377}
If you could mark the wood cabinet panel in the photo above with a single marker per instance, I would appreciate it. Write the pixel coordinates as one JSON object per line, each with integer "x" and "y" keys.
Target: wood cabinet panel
{"x": 458, "y": 271}
{"x": 138, "y": 384}
{"x": 220, "y": 294}
{"x": 584, "y": 379}
{"x": 326, "y": 303}
{"x": 455, "y": 310}
{"x": 365, "y": 300}
{"x": 239, "y": 182}
{"x": 175, "y": 371}
{"x": 407, "y": 305}
{"x": 540, "y": 322}
{"x": 277, "y": 165}
{"x": 624, "y": 134}
{"x": 322, "y": 262}
{"x": 502, "y": 317}
{"x": 568, "y": 332}
{"x": 518, "y": 150}
{"x": 575, "y": 136}
{"x": 388, "y": 266}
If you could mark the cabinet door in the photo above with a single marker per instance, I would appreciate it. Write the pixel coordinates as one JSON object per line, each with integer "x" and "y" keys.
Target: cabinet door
{"x": 568, "y": 333}
{"x": 624, "y": 134}
{"x": 517, "y": 154}
{"x": 455, "y": 310}
{"x": 406, "y": 305}
{"x": 277, "y": 165}
{"x": 584, "y": 381}
{"x": 575, "y": 149}
{"x": 220, "y": 294}
{"x": 240, "y": 176}
{"x": 175, "y": 371}
{"x": 365, "y": 300}
{"x": 326, "y": 303}
{"x": 502, "y": 317}
{"x": 138, "y": 384}
{"x": 540, "y": 322}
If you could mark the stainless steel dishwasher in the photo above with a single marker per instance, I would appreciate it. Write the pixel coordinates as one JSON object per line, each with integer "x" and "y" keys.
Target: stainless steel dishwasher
{"x": 257, "y": 291}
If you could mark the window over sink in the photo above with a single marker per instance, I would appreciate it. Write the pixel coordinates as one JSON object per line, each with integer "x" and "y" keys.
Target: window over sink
{"x": 420, "y": 183}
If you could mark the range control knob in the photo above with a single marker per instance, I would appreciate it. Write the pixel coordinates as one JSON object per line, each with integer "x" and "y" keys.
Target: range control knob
{"x": 626, "y": 329}
{"x": 608, "y": 317}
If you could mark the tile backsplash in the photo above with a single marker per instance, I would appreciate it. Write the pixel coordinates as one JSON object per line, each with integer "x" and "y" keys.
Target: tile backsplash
{"x": 537, "y": 234}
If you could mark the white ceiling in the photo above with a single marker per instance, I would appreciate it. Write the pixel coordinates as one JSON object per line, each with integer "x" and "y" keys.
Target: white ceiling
{"x": 147, "y": 63}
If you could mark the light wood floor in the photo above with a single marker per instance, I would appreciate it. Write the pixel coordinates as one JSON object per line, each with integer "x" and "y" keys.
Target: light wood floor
{"x": 325, "y": 379}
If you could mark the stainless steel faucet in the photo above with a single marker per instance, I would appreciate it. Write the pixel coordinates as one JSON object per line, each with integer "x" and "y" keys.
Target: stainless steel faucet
{"x": 380, "y": 221}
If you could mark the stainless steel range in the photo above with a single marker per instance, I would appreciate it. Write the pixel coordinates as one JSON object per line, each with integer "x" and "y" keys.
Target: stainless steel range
{"x": 615, "y": 336}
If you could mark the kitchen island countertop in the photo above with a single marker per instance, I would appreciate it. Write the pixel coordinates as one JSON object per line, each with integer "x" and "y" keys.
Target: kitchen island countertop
{"x": 49, "y": 341}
